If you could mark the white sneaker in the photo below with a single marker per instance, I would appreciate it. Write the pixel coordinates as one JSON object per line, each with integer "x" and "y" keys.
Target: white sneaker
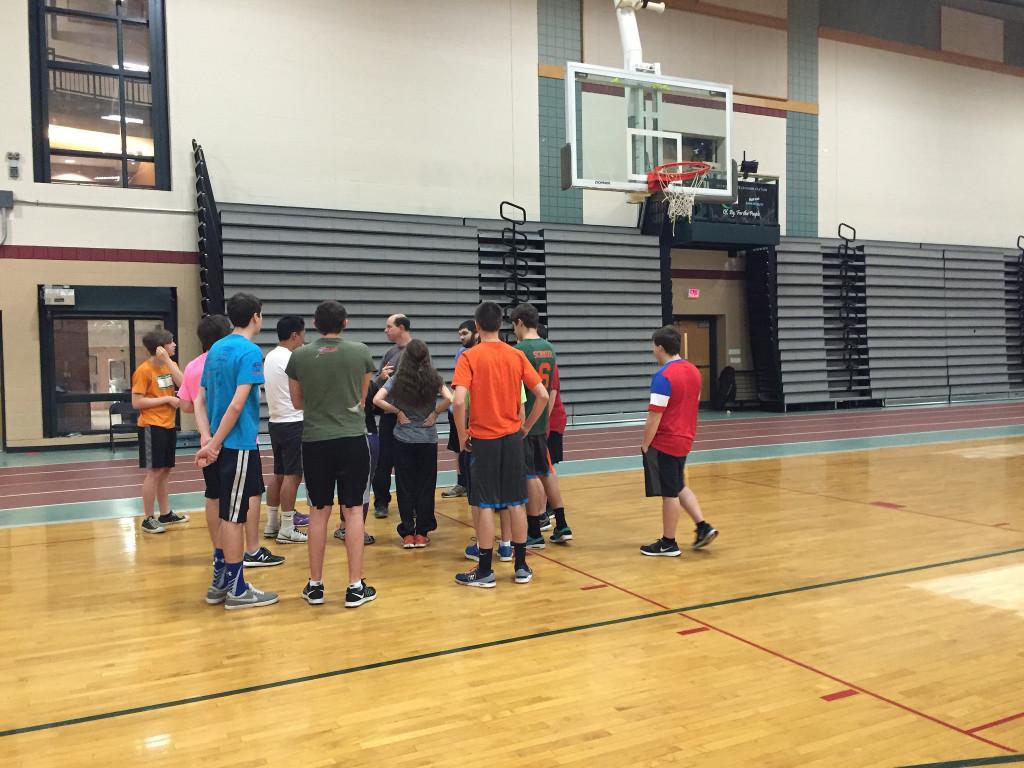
{"x": 270, "y": 532}
{"x": 291, "y": 536}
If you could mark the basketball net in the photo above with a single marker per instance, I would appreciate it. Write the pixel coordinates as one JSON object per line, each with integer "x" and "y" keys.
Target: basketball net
{"x": 681, "y": 196}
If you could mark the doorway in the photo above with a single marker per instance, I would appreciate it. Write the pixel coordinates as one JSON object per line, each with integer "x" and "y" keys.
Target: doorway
{"x": 699, "y": 347}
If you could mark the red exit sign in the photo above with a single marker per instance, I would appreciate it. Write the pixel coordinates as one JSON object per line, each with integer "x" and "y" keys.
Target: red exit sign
{"x": 693, "y": 293}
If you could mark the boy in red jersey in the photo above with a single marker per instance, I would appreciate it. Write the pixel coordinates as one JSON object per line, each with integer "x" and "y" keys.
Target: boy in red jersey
{"x": 668, "y": 437}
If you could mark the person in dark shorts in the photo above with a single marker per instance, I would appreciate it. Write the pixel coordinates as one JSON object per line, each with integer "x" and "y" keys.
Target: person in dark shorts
{"x": 493, "y": 374}
{"x": 540, "y": 474}
{"x": 467, "y": 338}
{"x": 329, "y": 380}
{"x": 228, "y": 409}
{"x": 668, "y": 437}
{"x": 153, "y": 397}
{"x": 285, "y": 434}
{"x": 412, "y": 396}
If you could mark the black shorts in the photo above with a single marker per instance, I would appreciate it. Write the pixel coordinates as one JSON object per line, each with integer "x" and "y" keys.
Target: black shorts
{"x": 156, "y": 447}
{"x": 555, "y": 447}
{"x": 286, "y": 443}
{"x": 535, "y": 453}
{"x": 342, "y": 463}
{"x": 498, "y": 469}
{"x": 663, "y": 474}
{"x": 233, "y": 479}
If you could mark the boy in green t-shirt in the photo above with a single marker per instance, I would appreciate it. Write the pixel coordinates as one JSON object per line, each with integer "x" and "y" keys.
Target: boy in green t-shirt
{"x": 328, "y": 380}
{"x": 540, "y": 474}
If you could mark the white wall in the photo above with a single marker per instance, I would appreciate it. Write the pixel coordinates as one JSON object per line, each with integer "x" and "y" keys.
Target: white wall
{"x": 420, "y": 107}
{"x": 750, "y": 57}
{"x": 918, "y": 150}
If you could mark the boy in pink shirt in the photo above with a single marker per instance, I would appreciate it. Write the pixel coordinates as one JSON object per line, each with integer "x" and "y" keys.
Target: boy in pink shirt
{"x": 212, "y": 328}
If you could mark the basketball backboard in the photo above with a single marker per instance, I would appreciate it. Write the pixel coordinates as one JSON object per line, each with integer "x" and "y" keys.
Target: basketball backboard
{"x": 621, "y": 125}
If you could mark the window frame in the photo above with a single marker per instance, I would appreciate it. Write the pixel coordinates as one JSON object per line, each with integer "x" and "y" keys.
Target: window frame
{"x": 40, "y": 68}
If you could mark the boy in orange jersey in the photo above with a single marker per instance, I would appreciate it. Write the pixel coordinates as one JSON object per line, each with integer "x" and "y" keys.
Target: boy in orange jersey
{"x": 493, "y": 374}
{"x": 153, "y": 386}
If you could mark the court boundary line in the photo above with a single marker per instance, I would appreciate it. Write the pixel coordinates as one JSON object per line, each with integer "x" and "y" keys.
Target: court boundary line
{"x": 999, "y": 760}
{"x": 526, "y": 638}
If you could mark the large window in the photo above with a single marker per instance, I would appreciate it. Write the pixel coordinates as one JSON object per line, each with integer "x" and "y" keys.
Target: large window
{"x": 100, "y": 93}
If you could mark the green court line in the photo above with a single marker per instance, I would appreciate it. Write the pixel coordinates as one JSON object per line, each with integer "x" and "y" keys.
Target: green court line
{"x": 1001, "y": 760}
{"x": 110, "y": 509}
{"x": 493, "y": 643}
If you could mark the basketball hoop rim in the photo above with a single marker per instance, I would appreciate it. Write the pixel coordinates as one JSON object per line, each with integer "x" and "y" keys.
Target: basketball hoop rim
{"x": 660, "y": 177}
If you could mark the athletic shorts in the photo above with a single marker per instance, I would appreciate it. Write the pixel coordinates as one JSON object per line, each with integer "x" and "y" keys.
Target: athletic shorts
{"x": 498, "y": 469}
{"x": 535, "y": 453}
{"x": 343, "y": 464}
{"x": 663, "y": 474}
{"x": 286, "y": 443}
{"x": 156, "y": 447}
{"x": 233, "y": 479}
{"x": 555, "y": 447}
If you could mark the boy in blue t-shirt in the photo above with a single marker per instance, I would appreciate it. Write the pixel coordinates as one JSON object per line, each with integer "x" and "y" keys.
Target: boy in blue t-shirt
{"x": 228, "y": 414}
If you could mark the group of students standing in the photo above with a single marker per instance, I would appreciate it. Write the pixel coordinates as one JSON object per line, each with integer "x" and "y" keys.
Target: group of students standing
{"x": 504, "y": 414}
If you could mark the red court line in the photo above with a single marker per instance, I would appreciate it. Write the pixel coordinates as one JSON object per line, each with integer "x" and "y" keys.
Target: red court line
{"x": 779, "y": 655}
{"x": 594, "y": 586}
{"x": 693, "y": 631}
{"x": 839, "y": 695}
{"x": 887, "y": 505}
{"x": 997, "y": 722}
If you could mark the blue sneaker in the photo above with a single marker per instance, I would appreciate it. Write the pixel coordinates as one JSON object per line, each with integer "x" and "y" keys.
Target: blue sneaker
{"x": 524, "y": 575}
{"x": 561, "y": 535}
{"x": 473, "y": 552}
{"x": 535, "y": 542}
{"x": 504, "y": 553}
{"x": 475, "y": 579}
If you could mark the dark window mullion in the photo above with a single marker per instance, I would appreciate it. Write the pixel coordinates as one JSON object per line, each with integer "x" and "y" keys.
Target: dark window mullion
{"x": 94, "y": 69}
{"x": 51, "y": 11}
{"x": 122, "y": 104}
{"x": 102, "y": 155}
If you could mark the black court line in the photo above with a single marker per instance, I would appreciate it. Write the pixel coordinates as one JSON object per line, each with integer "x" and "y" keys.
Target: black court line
{"x": 493, "y": 643}
{"x": 1001, "y": 760}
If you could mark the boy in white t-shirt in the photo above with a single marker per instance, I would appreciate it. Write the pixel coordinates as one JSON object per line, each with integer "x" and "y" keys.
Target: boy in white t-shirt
{"x": 285, "y": 434}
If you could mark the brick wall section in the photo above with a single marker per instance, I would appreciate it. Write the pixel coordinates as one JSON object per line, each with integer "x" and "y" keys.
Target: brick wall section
{"x": 559, "y": 40}
{"x": 802, "y": 129}
{"x": 48, "y": 253}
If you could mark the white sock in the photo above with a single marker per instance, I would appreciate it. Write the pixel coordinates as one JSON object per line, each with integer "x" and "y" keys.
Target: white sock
{"x": 254, "y": 552}
{"x": 287, "y": 521}
{"x": 356, "y": 585}
{"x": 506, "y": 543}
{"x": 273, "y": 521}
{"x": 314, "y": 583}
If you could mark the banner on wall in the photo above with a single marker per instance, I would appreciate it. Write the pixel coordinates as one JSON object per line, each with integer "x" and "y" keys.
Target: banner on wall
{"x": 757, "y": 204}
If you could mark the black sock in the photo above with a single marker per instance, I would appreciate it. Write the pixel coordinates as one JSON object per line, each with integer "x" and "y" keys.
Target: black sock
{"x": 485, "y": 561}
{"x": 560, "y": 518}
{"x": 520, "y": 552}
{"x": 533, "y": 527}
{"x": 547, "y": 508}
{"x": 667, "y": 541}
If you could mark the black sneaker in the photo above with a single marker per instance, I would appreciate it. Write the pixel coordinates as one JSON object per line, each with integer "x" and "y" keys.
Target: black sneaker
{"x": 356, "y": 596}
{"x": 172, "y": 518}
{"x": 661, "y": 548}
{"x": 313, "y": 595}
{"x": 703, "y": 535}
{"x": 262, "y": 559}
{"x": 150, "y": 525}
{"x": 545, "y": 521}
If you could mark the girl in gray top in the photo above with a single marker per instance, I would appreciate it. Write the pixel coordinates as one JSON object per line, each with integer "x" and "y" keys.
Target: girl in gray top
{"x": 417, "y": 395}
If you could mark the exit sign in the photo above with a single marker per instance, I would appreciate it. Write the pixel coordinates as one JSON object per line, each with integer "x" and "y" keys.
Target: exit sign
{"x": 693, "y": 293}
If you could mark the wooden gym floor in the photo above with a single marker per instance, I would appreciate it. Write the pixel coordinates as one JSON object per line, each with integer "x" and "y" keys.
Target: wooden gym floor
{"x": 861, "y": 608}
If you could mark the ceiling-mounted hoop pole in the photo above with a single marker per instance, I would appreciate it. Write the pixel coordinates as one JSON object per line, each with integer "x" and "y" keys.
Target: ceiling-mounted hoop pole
{"x": 629, "y": 34}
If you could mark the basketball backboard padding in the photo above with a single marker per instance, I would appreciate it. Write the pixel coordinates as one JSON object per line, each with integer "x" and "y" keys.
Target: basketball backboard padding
{"x": 620, "y": 125}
